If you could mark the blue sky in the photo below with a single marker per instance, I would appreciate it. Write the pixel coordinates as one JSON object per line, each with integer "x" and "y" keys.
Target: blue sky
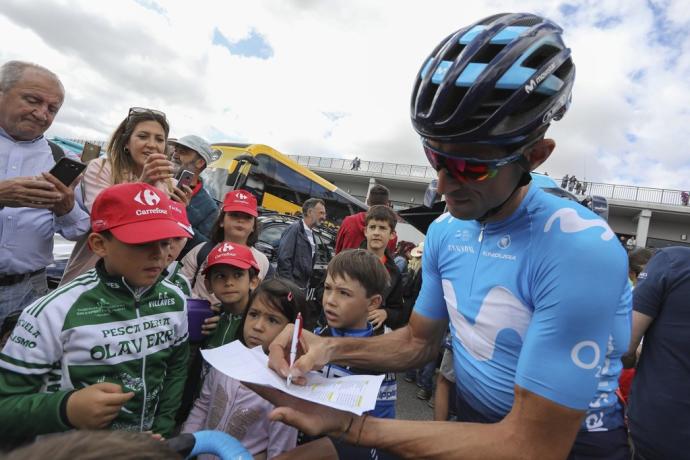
{"x": 333, "y": 78}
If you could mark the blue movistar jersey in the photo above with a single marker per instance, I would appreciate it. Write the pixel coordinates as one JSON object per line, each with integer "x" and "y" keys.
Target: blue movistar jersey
{"x": 540, "y": 299}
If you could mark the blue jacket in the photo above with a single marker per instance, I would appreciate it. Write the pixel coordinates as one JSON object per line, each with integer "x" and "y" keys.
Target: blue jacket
{"x": 202, "y": 213}
{"x": 295, "y": 261}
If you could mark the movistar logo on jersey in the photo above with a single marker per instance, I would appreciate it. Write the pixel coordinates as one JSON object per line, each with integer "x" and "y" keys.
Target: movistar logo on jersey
{"x": 571, "y": 222}
{"x": 461, "y": 248}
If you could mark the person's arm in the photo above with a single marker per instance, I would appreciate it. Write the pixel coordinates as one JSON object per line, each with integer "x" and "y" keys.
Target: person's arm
{"x": 534, "y": 428}
{"x": 173, "y": 387}
{"x": 648, "y": 297}
{"x": 402, "y": 349}
{"x": 442, "y": 398}
{"x": 286, "y": 251}
{"x": 196, "y": 420}
{"x": 25, "y": 411}
{"x": 394, "y": 304}
{"x": 339, "y": 239}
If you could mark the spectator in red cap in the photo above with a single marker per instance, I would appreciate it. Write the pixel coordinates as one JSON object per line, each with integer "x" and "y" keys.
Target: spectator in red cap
{"x": 231, "y": 273}
{"x": 117, "y": 334}
{"x": 236, "y": 223}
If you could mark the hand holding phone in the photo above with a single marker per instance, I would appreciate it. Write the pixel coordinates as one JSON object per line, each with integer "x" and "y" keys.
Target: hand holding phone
{"x": 185, "y": 178}
{"x": 67, "y": 170}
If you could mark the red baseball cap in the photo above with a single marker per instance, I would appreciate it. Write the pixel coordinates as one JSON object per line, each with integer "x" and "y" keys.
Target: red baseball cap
{"x": 242, "y": 201}
{"x": 226, "y": 253}
{"x": 135, "y": 213}
{"x": 179, "y": 213}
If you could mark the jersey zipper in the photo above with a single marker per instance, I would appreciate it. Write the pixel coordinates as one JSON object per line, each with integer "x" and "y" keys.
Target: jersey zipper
{"x": 137, "y": 297}
{"x": 480, "y": 239}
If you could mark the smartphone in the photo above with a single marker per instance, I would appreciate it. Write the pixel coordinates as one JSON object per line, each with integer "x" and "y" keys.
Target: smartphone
{"x": 67, "y": 170}
{"x": 184, "y": 178}
{"x": 90, "y": 152}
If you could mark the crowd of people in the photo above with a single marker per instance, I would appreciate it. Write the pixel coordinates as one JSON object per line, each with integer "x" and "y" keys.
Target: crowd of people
{"x": 523, "y": 300}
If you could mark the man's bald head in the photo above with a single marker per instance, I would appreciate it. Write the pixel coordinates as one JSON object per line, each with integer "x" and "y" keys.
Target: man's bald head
{"x": 30, "y": 97}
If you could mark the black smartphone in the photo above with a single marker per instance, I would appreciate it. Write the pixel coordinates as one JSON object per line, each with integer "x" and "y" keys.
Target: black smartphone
{"x": 90, "y": 152}
{"x": 184, "y": 178}
{"x": 67, "y": 170}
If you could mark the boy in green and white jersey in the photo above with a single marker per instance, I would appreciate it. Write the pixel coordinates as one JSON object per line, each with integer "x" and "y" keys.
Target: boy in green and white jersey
{"x": 109, "y": 349}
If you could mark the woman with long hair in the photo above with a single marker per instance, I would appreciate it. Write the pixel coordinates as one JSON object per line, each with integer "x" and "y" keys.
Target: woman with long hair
{"x": 135, "y": 153}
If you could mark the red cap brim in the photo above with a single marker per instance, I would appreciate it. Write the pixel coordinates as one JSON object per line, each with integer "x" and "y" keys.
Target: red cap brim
{"x": 240, "y": 208}
{"x": 237, "y": 263}
{"x": 148, "y": 231}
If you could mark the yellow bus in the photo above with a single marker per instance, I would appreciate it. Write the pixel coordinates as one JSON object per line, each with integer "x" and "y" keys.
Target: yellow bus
{"x": 279, "y": 183}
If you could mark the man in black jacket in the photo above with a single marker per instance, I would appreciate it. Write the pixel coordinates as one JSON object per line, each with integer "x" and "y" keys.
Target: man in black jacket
{"x": 379, "y": 229}
{"x": 298, "y": 246}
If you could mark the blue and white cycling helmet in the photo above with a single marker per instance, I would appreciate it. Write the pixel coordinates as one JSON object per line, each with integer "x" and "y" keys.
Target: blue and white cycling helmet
{"x": 499, "y": 81}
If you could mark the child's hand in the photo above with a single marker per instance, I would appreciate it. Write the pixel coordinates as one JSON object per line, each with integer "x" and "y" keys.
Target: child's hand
{"x": 378, "y": 317}
{"x": 182, "y": 195}
{"x": 210, "y": 325}
{"x": 95, "y": 406}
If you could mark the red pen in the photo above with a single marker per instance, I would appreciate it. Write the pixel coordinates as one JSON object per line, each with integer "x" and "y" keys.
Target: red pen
{"x": 296, "y": 335}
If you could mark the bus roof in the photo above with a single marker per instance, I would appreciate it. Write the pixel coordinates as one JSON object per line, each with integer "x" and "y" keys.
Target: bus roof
{"x": 231, "y": 150}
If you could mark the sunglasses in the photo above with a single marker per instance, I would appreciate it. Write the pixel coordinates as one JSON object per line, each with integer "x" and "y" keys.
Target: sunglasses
{"x": 137, "y": 110}
{"x": 468, "y": 169}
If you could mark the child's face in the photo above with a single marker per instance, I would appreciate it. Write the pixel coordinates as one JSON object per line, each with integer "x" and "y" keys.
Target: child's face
{"x": 378, "y": 233}
{"x": 263, "y": 324}
{"x": 139, "y": 264}
{"x": 345, "y": 303}
{"x": 230, "y": 284}
{"x": 237, "y": 226}
{"x": 176, "y": 246}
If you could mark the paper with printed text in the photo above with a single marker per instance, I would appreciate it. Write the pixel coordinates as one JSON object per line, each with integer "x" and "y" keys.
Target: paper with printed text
{"x": 354, "y": 393}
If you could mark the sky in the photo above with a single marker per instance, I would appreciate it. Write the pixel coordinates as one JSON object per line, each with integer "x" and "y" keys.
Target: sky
{"x": 334, "y": 77}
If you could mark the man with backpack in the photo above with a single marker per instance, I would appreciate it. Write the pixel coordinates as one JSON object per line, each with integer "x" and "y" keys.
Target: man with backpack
{"x": 34, "y": 205}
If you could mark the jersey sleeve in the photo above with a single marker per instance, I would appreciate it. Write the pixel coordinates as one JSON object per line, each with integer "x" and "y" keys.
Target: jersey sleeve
{"x": 651, "y": 285}
{"x": 430, "y": 302}
{"x": 577, "y": 287}
{"x": 31, "y": 353}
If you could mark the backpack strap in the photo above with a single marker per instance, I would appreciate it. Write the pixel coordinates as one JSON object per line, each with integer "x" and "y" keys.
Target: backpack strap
{"x": 56, "y": 150}
{"x": 200, "y": 258}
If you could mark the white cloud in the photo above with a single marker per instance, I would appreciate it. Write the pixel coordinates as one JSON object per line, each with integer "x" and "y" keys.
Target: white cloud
{"x": 357, "y": 59}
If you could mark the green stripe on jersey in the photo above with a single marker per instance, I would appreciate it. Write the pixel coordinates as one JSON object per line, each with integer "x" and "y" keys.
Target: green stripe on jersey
{"x": 80, "y": 281}
{"x": 24, "y": 364}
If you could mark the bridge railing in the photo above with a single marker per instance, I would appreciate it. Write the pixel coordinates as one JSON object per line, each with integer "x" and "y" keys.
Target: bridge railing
{"x": 613, "y": 191}
{"x": 375, "y": 167}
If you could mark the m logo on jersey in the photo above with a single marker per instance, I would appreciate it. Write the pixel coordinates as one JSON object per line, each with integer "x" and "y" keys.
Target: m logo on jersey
{"x": 571, "y": 222}
{"x": 147, "y": 197}
{"x": 500, "y": 310}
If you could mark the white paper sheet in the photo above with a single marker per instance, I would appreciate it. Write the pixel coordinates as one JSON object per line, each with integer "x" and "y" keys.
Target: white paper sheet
{"x": 354, "y": 393}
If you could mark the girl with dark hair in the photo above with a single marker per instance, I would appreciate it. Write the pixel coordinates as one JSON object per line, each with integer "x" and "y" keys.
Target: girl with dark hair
{"x": 135, "y": 153}
{"x": 236, "y": 223}
{"x": 225, "y": 404}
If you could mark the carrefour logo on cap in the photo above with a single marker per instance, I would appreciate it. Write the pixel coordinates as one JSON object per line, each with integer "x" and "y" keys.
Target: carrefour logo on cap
{"x": 147, "y": 197}
{"x": 242, "y": 196}
{"x": 227, "y": 247}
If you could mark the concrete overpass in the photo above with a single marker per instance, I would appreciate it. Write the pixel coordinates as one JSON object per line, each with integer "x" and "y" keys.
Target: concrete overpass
{"x": 656, "y": 217}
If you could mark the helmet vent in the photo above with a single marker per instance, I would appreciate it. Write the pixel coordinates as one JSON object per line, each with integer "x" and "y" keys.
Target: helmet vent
{"x": 565, "y": 68}
{"x": 528, "y": 21}
{"x": 540, "y": 56}
{"x": 487, "y": 53}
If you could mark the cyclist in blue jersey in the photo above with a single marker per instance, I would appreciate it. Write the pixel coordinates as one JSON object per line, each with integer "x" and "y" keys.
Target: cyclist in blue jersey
{"x": 534, "y": 287}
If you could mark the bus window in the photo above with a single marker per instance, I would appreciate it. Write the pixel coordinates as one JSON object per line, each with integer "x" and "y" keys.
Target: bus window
{"x": 283, "y": 182}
